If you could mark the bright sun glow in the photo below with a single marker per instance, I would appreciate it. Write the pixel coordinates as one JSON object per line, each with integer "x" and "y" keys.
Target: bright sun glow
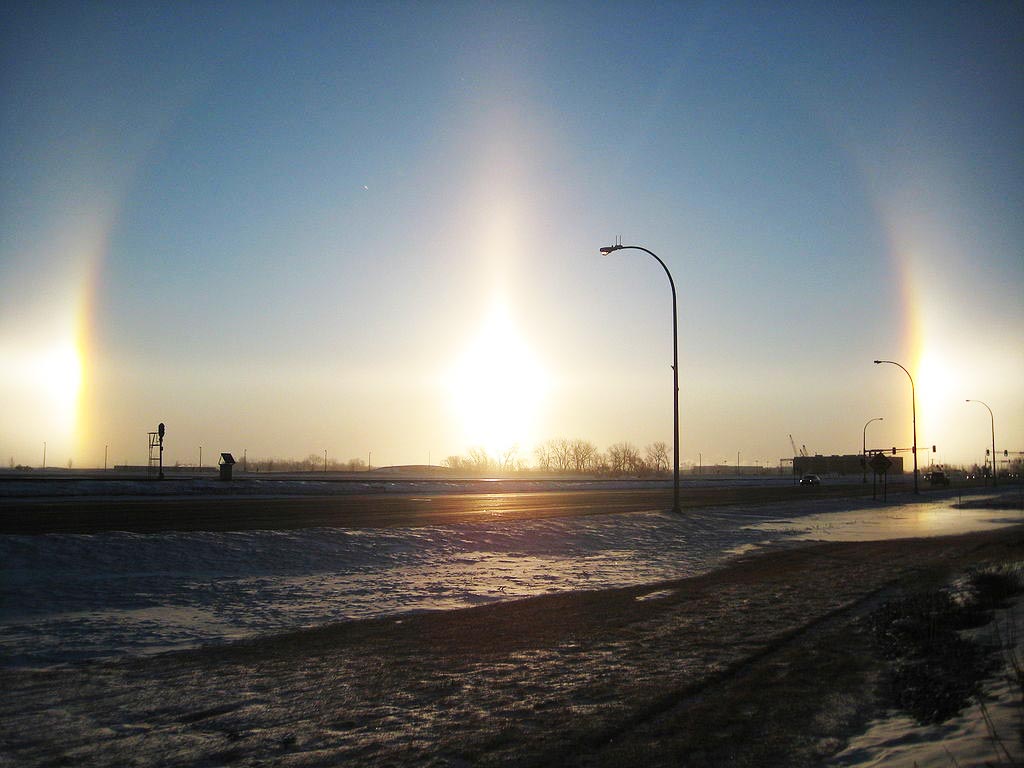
{"x": 937, "y": 384}
{"x": 497, "y": 388}
{"x": 59, "y": 375}
{"x": 43, "y": 386}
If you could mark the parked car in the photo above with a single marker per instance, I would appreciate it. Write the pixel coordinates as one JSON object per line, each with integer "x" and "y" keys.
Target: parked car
{"x": 938, "y": 478}
{"x": 810, "y": 480}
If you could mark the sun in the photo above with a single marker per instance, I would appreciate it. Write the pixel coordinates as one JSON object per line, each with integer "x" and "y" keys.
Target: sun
{"x": 497, "y": 388}
{"x": 41, "y": 385}
{"x": 59, "y": 374}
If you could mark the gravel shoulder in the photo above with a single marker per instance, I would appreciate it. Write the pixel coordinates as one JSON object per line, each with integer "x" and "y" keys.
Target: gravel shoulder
{"x": 759, "y": 663}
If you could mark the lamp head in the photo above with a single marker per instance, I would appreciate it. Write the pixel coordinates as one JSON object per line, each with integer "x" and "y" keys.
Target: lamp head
{"x": 610, "y": 249}
{"x": 877, "y": 362}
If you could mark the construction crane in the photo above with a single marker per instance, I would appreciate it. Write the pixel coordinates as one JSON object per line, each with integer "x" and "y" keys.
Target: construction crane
{"x": 803, "y": 448}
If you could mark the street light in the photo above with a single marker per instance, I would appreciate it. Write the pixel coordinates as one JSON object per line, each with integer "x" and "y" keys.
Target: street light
{"x": 993, "y": 420}
{"x": 913, "y": 414}
{"x": 675, "y": 367}
{"x": 864, "y": 446}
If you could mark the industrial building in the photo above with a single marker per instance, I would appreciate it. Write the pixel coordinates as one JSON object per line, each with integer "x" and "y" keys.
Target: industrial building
{"x": 841, "y": 465}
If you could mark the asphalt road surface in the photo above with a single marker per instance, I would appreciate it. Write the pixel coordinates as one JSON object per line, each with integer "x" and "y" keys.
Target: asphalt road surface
{"x": 85, "y": 514}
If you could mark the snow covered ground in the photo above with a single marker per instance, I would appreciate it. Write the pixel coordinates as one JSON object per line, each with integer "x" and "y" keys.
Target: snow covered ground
{"x": 75, "y": 598}
{"x": 986, "y": 733}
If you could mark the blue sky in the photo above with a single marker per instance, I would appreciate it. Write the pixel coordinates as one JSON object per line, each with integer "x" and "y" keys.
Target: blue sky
{"x": 286, "y": 228}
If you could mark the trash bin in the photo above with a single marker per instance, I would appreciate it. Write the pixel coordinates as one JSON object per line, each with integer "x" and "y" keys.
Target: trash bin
{"x": 227, "y": 462}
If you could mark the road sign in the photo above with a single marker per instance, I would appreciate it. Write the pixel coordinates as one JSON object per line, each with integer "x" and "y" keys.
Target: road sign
{"x": 880, "y": 463}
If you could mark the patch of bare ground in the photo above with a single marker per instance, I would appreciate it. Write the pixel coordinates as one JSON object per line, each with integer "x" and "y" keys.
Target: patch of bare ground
{"x": 761, "y": 663}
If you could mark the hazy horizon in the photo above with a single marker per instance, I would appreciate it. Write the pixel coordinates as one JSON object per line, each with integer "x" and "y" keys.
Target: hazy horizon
{"x": 286, "y": 229}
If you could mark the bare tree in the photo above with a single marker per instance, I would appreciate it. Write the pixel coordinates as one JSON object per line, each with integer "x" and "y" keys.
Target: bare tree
{"x": 624, "y": 459}
{"x": 543, "y": 453}
{"x": 454, "y": 462}
{"x": 562, "y": 454}
{"x": 507, "y": 458}
{"x": 617, "y": 458}
{"x": 478, "y": 459}
{"x": 582, "y": 453}
{"x": 657, "y": 456}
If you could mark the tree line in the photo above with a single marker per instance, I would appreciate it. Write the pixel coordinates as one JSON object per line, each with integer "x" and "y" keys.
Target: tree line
{"x": 570, "y": 456}
{"x": 314, "y": 462}
{"x": 557, "y": 456}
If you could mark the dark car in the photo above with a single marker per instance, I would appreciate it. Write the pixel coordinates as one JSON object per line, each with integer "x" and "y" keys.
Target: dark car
{"x": 810, "y": 480}
{"x": 938, "y": 478}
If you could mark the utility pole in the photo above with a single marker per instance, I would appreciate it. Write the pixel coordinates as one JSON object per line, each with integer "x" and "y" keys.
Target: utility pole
{"x": 675, "y": 365}
{"x": 992, "y": 419}
{"x": 913, "y": 415}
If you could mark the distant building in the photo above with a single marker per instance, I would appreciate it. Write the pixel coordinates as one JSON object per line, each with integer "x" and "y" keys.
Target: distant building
{"x": 840, "y": 465}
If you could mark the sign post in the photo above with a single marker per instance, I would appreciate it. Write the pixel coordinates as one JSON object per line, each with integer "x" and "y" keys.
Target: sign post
{"x": 880, "y": 466}
{"x": 160, "y": 432}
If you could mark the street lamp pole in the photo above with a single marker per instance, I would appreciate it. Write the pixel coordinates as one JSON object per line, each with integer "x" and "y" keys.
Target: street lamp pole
{"x": 675, "y": 366}
{"x": 993, "y": 420}
{"x": 913, "y": 414}
{"x": 864, "y": 445}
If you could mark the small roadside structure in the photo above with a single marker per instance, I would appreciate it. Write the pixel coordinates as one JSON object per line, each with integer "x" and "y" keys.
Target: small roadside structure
{"x": 227, "y": 463}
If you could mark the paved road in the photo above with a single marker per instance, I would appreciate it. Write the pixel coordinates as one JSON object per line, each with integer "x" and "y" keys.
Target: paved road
{"x": 84, "y": 514}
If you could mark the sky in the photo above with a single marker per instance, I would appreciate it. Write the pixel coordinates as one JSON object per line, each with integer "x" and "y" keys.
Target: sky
{"x": 373, "y": 229}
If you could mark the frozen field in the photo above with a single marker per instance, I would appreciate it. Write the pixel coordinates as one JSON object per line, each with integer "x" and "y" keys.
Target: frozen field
{"x": 74, "y": 598}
